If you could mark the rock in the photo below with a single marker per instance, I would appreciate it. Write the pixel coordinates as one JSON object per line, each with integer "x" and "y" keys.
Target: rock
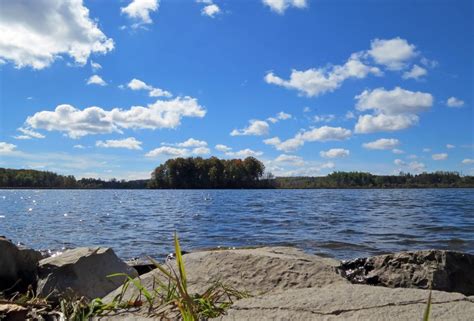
{"x": 257, "y": 271}
{"x": 351, "y": 302}
{"x": 18, "y": 266}
{"x": 141, "y": 265}
{"x": 441, "y": 270}
{"x": 82, "y": 272}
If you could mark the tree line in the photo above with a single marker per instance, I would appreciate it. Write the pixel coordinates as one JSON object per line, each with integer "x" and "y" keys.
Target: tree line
{"x": 231, "y": 173}
{"x": 197, "y": 172}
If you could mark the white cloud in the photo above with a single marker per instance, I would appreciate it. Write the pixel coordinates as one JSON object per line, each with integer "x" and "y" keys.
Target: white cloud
{"x": 137, "y": 84}
{"x": 349, "y": 115}
{"x": 415, "y": 73}
{"x": 441, "y": 156}
{"x": 324, "y": 118}
{"x": 140, "y": 10}
{"x": 210, "y": 10}
{"x": 256, "y": 128}
{"x": 412, "y": 156}
{"x": 454, "y": 102}
{"x": 334, "y": 153}
{"x": 314, "y": 82}
{"x": 280, "y": 6}
{"x": 426, "y": 150}
{"x": 128, "y": 143}
{"x": 36, "y": 33}
{"x": 465, "y": 161}
{"x": 95, "y": 120}
{"x": 312, "y": 170}
{"x": 95, "y": 66}
{"x": 394, "y": 102}
{"x": 306, "y": 110}
{"x": 167, "y": 151}
{"x": 28, "y": 133}
{"x": 290, "y": 159}
{"x": 244, "y": 153}
{"x": 393, "y": 53}
{"x": 79, "y": 146}
{"x": 397, "y": 151}
{"x": 96, "y": 80}
{"x": 280, "y": 116}
{"x": 449, "y": 146}
{"x": 322, "y": 134}
{"x": 382, "y": 122}
{"x": 382, "y": 144}
{"x": 222, "y": 148}
{"x": 191, "y": 142}
{"x": 6, "y": 148}
{"x": 399, "y": 162}
{"x": 201, "y": 151}
{"x": 417, "y": 166}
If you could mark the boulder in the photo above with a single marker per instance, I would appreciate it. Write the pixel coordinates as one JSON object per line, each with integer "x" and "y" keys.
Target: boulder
{"x": 437, "y": 269}
{"x": 255, "y": 271}
{"x": 81, "y": 272}
{"x": 18, "y": 266}
{"x": 351, "y": 302}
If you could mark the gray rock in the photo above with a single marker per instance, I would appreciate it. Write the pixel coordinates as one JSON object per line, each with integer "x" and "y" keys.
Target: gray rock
{"x": 255, "y": 271}
{"x": 18, "y": 266}
{"x": 352, "y": 302}
{"x": 440, "y": 270}
{"x": 82, "y": 272}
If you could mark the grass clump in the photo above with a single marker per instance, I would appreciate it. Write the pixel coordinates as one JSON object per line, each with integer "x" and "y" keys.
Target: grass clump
{"x": 169, "y": 298}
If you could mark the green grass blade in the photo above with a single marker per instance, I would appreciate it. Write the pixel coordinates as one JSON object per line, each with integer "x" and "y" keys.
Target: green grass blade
{"x": 179, "y": 260}
{"x": 426, "y": 315}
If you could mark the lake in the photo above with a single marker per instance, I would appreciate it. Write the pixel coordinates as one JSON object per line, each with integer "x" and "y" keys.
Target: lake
{"x": 335, "y": 223}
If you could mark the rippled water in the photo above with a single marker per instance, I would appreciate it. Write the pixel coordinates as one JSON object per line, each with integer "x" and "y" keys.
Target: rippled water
{"x": 336, "y": 223}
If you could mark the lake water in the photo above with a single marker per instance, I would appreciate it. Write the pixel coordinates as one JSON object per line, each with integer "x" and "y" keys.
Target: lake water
{"x": 336, "y": 223}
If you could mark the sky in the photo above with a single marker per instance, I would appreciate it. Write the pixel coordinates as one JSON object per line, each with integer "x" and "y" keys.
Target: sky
{"x": 108, "y": 89}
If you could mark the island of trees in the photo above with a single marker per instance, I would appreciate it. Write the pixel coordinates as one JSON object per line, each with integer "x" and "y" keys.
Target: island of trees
{"x": 200, "y": 173}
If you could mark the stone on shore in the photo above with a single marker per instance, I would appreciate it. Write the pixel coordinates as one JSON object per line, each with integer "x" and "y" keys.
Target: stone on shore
{"x": 82, "y": 272}
{"x": 17, "y": 265}
{"x": 256, "y": 271}
{"x": 352, "y": 302}
{"x": 437, "y": 269}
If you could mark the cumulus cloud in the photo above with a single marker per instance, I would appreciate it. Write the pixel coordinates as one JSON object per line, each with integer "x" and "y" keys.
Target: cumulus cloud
{"x": 140, "y": 10}
{"x": 95, "y": 66}
{"x": 167, "y": 151}
{"x": 394, "y": 109}
{"x": 28, "y": 133}
{"x": 465, "y": 161}
{"x": 416, "y": 72}
{"x": 450, "y": 146}
{"x": 382, "y": 144}
{"x": 201, "y": 150}
{"x": 137, "y": 84}
{"x": 392, "y": 53}
{"x": 416, "y": 166}
{"x": 191, "y": 142}
{"x": 316, "y": 81}
{"x": 290, "y": 159}
{"x": 95, "y": 120}
{"x": 280, "y": 116}
{"x": 256, "y": 128}
{"x": 394, "y": 102}
{"x": 79, "y": 146}
{"x": 6, "y": 148}
{"x": 382, "y": 122}
{"x": 244, "y": 153}
{"x": 127, "y": 143}
{"x": 454, "y": 102}
{"x": 397, "y": 151}
{"x": 210, "y": 10}
{"x": 324, "y": 118}
{"x": 441, "y": 156}
{"x": 335, "y": 153}
{"x": 280, "y": 6}
{"x": 321, "y": 134}
{"x": 96, "y": 80}
{"x": 222, "y": 148}
{"x": 309, "y": 170}
{"x": 30, "y": 36}
{"x": 399, "y": 162}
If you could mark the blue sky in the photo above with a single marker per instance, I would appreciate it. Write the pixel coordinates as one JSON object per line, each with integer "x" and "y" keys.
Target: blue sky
{"x": 113, "y": 89}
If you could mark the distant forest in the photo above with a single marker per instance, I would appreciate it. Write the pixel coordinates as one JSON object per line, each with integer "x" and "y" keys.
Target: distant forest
{"x": 199, "y": 173}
